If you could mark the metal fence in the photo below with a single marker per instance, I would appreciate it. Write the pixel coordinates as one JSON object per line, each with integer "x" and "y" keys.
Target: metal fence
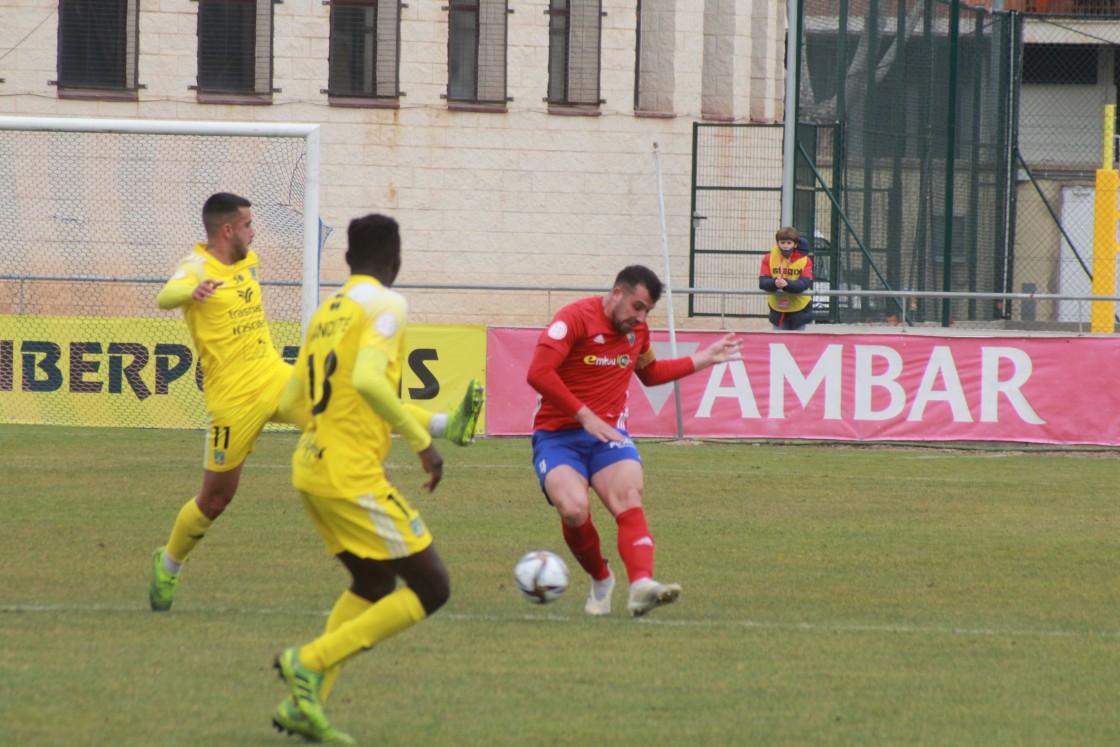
{"x": 942, "y": 149}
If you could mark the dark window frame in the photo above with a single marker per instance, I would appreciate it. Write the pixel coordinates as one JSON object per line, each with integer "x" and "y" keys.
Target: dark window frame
{"x": 1061, "y": 64}
{"x": 83, "y": 74}
{"x": 485, "y": 77}
{"x": 638, "y": 57}
{"x": 219, "y": 85}
{"x": 366, "y": 93}
{"x": 560, "y": 24}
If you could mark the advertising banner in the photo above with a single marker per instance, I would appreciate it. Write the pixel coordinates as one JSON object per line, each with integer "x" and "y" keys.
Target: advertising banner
{"x": 874, "y": 387}
{"x": 143, "y": 373}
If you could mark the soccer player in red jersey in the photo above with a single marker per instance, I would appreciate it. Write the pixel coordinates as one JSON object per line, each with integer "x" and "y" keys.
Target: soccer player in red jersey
{"x": 581, "y": 368}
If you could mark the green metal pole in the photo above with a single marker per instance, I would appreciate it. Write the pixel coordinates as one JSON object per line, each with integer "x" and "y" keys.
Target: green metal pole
{"x": 692, "y": 217}
{"x": 950, "y": 161}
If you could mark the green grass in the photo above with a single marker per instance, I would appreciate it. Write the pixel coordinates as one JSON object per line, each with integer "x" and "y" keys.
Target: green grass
{"x": 833, "y": 595}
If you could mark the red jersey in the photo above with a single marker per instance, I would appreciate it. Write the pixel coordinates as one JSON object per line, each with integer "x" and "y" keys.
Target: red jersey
{"x": 597, "y": 365}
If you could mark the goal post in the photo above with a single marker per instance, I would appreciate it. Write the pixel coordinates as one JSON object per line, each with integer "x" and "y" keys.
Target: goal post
{"x": 94, "y": 216}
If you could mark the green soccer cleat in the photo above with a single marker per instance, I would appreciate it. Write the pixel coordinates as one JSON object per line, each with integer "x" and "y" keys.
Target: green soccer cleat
{"x": 463, "y": 420}
{"x": 304, "y": 685}
{"x": 161, "y": 592}
{"x": 288, "y": 718}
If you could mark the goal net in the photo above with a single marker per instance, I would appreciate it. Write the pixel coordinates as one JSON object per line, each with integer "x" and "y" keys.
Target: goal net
{"x": 94, "y": 217}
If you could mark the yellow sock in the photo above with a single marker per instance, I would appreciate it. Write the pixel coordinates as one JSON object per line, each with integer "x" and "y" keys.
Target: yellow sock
{"x": 190, "y": 527}
{"x": 386, "y": 618}
{"x": 348, "y": 606}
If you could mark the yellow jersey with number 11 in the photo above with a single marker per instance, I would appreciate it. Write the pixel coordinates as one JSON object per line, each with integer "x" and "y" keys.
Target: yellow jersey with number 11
{"x": 229, "y": 329}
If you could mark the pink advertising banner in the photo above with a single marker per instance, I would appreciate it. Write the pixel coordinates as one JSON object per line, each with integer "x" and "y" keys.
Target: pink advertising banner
{"x": 876, "y": 387}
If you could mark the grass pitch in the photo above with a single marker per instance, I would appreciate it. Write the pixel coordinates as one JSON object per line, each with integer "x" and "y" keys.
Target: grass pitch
{"x": 832, "y": 596}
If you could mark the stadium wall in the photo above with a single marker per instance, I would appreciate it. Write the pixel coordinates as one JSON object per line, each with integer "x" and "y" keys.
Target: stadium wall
{"x": 527, "y": 195}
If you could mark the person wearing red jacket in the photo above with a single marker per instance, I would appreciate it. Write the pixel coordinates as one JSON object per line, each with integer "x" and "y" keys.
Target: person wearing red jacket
{"x": 581, "y": 367}
{"x": 787, "y": 275}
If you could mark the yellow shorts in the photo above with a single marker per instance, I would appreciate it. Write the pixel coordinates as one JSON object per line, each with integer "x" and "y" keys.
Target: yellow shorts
{"x": 380, "y": 525}
{"x": 231, "y": 432}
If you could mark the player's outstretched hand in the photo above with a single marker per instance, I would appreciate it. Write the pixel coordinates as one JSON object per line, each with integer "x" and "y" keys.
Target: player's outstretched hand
{"x": 205, "y": 289}
{"x": 727, "y": 348}
{"x": 433, "y": 464}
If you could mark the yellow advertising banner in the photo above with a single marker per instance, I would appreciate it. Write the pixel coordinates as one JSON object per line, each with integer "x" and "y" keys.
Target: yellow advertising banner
{"x": 143, "y": 373}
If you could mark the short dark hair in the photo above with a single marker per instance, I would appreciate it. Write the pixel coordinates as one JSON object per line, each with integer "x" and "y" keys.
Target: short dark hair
{"x": 374, "y": 242}
{"x": 219, "y": 207}
{"x": 787, "y": 233}
{"x": 636, "y": 275}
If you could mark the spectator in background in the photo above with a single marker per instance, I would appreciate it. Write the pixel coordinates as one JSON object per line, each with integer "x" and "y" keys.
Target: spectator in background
{"x": 787, "y": 275}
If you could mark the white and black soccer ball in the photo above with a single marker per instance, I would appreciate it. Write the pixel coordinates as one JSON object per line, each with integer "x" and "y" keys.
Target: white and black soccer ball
{"x": 541, "y": 576}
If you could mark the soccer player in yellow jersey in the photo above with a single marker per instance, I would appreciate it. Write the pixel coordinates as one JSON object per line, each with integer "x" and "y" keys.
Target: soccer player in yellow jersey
{"x": 346, "y": 377}
{"x": 243, "y": 375}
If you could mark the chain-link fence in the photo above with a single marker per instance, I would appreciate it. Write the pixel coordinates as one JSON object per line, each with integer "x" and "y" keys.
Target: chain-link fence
{"x": 914, "y": 191}
{"x": 1068, "y": 77}
{"x": 942, "y": 149}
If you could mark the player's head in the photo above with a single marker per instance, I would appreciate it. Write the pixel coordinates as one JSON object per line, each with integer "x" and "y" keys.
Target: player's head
{"x": 788, "y": 238}
{"x": 374, "y": 247}
{"x": 229, "y": 222}
{"x": 636, "y": 291}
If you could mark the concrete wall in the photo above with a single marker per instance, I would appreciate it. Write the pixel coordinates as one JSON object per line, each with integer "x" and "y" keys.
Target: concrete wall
{"x": 523, "y": 196}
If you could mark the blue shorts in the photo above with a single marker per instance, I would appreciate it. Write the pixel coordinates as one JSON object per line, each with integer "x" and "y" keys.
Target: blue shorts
{"x": 579, "y": 450}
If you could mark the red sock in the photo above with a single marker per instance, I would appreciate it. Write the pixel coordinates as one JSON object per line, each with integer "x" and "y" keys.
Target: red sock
{"x": 635, "y": 545}
{"x": 583, "y": 541}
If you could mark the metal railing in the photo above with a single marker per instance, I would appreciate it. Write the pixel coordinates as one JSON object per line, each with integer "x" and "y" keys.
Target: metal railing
{"x": 898, "y": 302}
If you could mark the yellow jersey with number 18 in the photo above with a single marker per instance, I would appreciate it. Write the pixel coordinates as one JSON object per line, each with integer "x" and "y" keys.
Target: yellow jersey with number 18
{"x": 229, "y": 329}
{"x": 342, "y": 452}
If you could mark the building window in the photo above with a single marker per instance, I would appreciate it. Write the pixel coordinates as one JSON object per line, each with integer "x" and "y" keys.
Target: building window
{"x": 476, "y": 51}
{"x": 365, "y": 49}
{"x": 1060, "y": 64}
{"x": 574, "y": 31}
{"x": 235, "y": 47}
{"x": 97, "y": 42}
{"x": 654, "y": 53}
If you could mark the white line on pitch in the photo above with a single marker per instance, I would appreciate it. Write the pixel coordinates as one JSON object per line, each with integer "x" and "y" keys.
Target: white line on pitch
{"x": 545, "y": 617}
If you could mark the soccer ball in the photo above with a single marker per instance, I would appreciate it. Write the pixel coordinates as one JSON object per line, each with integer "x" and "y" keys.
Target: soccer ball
{"x": 541, "y": 576}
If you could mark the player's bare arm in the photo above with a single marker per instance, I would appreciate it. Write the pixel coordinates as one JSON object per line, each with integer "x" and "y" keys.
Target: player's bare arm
{"x": 432, "y": 462}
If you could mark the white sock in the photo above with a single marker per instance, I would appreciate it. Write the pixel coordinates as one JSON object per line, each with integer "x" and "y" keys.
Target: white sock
{"x": 170, "y": 565}
{"x": 438, "y": 426}
{"x": 599, "y": 589}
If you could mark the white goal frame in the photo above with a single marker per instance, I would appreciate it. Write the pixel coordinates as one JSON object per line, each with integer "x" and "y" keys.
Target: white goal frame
{"x": 309, "y": 133}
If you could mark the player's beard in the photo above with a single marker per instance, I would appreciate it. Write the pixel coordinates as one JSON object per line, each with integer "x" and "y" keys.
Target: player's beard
{"x": 624, "y": 326}
{"x": 240, "y": 249}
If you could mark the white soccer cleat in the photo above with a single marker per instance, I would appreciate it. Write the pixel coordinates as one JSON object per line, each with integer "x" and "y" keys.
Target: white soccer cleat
{"x": 599, "y": 600}
{"x": 646, "y": 594}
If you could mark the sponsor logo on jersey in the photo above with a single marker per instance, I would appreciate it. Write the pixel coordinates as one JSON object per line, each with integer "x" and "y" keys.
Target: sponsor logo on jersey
{"x": 622, "y": 361}
{"x": 246, "y": 295}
